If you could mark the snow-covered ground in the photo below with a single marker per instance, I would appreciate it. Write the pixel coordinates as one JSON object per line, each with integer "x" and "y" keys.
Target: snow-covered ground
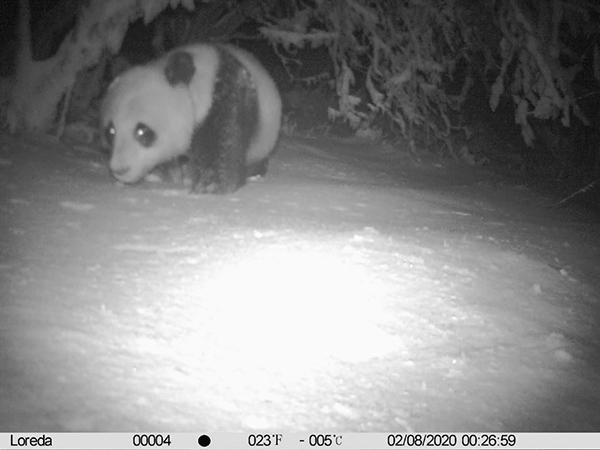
{"x": 347, "y": 291}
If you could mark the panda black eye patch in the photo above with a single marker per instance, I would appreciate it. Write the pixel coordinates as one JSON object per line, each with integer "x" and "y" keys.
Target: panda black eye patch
{"x": 109, "y": 134}
{"x": 144, "y": 135}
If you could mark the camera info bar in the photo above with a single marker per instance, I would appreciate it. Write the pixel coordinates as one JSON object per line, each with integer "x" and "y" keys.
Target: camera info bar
{"x": 296, "y": 440}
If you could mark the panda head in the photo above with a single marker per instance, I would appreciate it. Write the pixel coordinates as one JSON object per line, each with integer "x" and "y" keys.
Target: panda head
{"x": 147, "y": 119}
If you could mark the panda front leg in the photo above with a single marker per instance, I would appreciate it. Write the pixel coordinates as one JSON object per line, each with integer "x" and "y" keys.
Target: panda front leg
{"x": 231, "y": 153}
{"x": 218, "y": 153}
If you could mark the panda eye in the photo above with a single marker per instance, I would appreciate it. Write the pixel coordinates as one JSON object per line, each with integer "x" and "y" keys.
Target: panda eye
{"x": 109, "y": 134}
{"x": 144, "y": 135}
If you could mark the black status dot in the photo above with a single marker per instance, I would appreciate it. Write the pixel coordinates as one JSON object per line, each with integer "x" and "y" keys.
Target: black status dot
{"x": 203, "y": 440}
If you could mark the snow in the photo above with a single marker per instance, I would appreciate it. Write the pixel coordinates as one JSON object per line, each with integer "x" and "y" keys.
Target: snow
{"x": 349, "y": 290}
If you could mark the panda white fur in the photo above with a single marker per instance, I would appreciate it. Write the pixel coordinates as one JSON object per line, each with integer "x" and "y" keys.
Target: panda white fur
{"x": 214, "y": 104}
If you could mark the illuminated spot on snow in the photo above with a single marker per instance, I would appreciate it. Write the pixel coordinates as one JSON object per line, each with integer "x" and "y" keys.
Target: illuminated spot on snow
{"x": 288, "y": 312}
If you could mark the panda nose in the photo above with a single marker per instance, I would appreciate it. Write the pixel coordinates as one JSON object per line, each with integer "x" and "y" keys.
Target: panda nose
{"x": 119, "y": 171}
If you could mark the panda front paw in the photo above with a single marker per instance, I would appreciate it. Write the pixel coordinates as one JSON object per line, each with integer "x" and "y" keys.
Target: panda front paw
{"x": 204, "y": 182}
{"x": 211, "y": 188}
{"x": 216, "y": 181}
{"x": 175, "y": 171}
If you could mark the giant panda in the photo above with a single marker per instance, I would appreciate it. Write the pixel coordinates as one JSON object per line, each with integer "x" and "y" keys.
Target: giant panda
{"x": 213, "y": 105}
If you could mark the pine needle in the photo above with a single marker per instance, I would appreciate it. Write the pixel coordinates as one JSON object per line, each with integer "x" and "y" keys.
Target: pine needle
{"x": 584, "y": 189}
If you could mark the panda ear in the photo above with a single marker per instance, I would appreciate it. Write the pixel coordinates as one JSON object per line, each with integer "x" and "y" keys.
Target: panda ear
{"x": 180, "y": 68}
